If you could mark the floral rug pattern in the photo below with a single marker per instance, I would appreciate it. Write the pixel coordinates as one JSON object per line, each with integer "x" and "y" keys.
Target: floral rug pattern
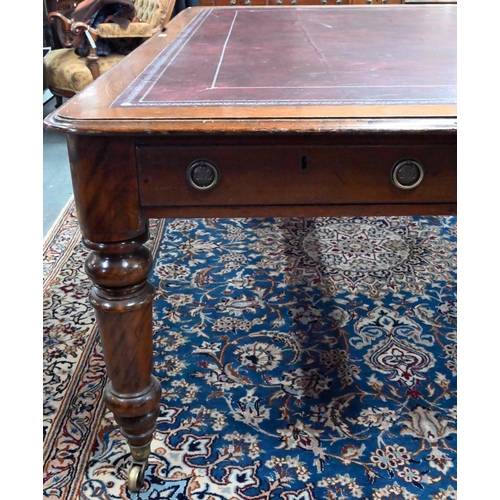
{"x": 300, "y": 359}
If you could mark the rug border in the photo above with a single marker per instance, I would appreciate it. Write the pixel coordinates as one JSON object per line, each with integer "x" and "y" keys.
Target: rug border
{"x": 65, "y": 228}
{"x": 56, "y": 226}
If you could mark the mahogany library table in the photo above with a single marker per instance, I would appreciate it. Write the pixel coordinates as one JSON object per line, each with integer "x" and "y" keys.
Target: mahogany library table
{"x": 250, "y": 112}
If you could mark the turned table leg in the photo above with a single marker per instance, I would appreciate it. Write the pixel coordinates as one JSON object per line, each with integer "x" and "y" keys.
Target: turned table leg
{"x": 122, "y": 298}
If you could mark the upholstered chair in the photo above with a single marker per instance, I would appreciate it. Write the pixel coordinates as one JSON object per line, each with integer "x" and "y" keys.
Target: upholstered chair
{"x": 66, "y": 73}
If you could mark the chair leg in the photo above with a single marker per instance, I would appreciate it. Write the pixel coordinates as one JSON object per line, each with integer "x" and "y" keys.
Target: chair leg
{"x": 59, "y": 101}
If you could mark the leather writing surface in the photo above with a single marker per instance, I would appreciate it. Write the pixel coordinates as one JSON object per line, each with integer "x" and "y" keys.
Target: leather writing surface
{"x": 304, "y": 57}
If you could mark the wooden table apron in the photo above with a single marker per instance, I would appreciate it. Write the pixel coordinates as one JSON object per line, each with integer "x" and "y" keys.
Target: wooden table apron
{"x": 319, "y": 149}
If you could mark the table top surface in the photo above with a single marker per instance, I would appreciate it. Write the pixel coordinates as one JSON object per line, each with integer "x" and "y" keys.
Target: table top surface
{"x": 308, "y": 64}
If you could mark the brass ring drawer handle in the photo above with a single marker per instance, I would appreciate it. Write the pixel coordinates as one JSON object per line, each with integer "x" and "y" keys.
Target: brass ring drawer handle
{"x": 203, "y": 174}
{"x": 407, "y": 174}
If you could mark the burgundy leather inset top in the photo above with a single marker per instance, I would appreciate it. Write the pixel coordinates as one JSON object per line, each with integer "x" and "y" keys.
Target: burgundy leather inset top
{"x": 305, "y": 57}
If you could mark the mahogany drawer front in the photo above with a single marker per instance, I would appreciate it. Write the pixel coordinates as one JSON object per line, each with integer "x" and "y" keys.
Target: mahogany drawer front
{"x": 294, "y": 175}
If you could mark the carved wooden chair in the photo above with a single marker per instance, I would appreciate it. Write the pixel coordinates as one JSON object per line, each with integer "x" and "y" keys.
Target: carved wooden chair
{"x": 66, "y": 72}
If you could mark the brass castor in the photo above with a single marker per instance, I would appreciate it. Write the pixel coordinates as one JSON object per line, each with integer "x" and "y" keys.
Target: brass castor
{"x": 136, "y": 476}
{"x": 138, "y": 468}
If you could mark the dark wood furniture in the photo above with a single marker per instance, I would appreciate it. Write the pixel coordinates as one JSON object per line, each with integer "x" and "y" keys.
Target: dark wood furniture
{"x": 236, "y": 112}
{"x": 67, "y": 73}
{"x": 52, "y": 35}
{"x": 60, "y": 5}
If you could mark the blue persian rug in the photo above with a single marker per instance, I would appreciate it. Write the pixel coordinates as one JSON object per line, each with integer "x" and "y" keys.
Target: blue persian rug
{"x": 300, "y": 359}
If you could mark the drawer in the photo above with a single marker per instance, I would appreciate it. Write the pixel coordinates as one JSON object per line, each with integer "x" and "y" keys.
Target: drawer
{"x": 293, "y": 175}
